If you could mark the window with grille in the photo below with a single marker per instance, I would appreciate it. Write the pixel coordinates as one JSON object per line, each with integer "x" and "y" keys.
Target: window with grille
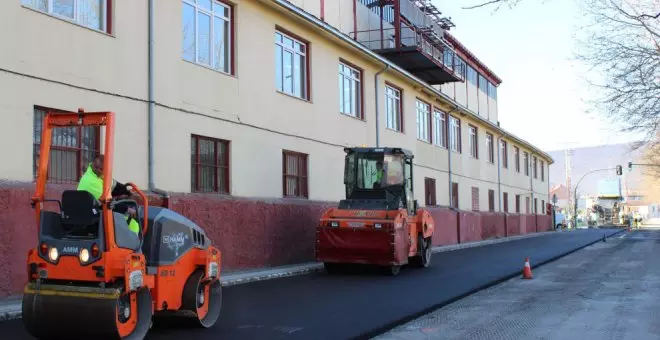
{"x": 475, "y": 199}
{"x": 534, "y": 161}
{"x": 505, "y": 202}
{"x": 209, "y": 165}
{"x": 526, "y": 163}
{"x": 72, "y": 149}
{"x": 454, "y": 195}
{"x": 542, "y": 171}
{"x": 516, "y": 156}
{"x": 527, "y": 205}
{"x": 517, "y": 204}
{"x": 294, "y": 167}
{"x": 429, "y": 191}
{"x": 491, "y": 200}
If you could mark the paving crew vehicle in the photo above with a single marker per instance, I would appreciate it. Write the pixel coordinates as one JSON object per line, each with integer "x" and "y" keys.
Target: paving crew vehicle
{"x": 91, "y": 277}
{"x": 378, "y": 222}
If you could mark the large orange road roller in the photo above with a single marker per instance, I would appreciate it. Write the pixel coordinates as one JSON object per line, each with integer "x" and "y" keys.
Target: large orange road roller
{"x": 91, "y": 277}
{"x": 379, "y": 222}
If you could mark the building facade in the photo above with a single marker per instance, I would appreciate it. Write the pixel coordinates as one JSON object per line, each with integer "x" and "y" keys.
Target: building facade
{"x": 255, "y": 100}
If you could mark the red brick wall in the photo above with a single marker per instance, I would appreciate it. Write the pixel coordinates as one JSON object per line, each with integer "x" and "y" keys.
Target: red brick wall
{"x": 251, "y": 233}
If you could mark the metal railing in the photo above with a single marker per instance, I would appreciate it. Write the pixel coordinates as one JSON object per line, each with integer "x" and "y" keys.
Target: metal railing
{"x": 442, "y": 54}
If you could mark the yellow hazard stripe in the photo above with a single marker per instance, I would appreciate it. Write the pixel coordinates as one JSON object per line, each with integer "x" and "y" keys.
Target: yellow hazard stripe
{"x": 50, "y": 292}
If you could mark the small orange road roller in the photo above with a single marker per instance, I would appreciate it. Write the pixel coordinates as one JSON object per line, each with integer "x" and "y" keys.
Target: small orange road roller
{"x": 91, "y": 277}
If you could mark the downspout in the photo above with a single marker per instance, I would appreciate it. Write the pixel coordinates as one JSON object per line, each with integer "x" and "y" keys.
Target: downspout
{"x": 531, "y": 185}
{"x": 387, "y": 67}
{"x": 150, "y": 142}
{"x": 499, "y": 170}
{"x": 449, "y": 155}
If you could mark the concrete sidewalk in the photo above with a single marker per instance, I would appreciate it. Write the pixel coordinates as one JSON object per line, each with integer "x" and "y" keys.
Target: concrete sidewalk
{"x": 10, "y": 308}
{"x": 605, "y": 291}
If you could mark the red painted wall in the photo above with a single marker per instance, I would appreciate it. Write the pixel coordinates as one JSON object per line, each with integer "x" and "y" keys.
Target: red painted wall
{"x": 251, "y": 233}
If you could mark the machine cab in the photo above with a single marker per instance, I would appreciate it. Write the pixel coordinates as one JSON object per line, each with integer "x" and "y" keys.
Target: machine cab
{"x": 378, "y": 179}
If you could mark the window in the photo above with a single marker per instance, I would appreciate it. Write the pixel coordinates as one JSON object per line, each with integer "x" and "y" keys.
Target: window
{"x": 209, "y": 159}
{"x": 394, "y": 108}
{"x": 483, "y": 84}
{"x": 472, "y": 75}
{"x": 536, "y": 202}
{"x": 527, "y": 205}
{"x": 294, "y": 168}
{"x": 94, "y": 14}
{"x": 489, "y": 147}
{"x": 517, "y": 204}
{"x": 491, "y": 200}
{"x": 526, "y": 162}
{"x": 542, "y": 171}
{"x": 207, "y": 34}
{"x": 473, "y": 141}
{"x": 543, "y": 206}
{"x": 492, "y": 91}
{"x": 454, "y": 195}
{"x": 475, "y": 199}
{"x": 459, "y": 66}
{"x": 455, "y": 133}
{"x": 505, "y": 202}
{"x": 439, "y": 128}
{"x": 504, "y": 154}
{"x": 429, "y": 191}
{"x": 535, "y": 167}
{"x": 516, "y": 156}
{"x": 291, "y": 58}
{"x": 72, "y": 149}
{"x": 423, "y": 118}
{"x": 350, "y": 90}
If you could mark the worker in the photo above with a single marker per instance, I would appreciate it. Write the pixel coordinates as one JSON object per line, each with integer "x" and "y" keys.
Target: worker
{"x": 380, "y": 173}
{"x": 92, "y": 182}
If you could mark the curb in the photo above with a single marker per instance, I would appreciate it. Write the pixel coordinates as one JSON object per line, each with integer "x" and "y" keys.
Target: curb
{"x": 391, "y": 325}
{"x": 12, "y": 311}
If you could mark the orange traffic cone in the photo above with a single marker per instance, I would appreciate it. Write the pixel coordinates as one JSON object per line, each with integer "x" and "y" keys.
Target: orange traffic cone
{"x": 527, "y": 270}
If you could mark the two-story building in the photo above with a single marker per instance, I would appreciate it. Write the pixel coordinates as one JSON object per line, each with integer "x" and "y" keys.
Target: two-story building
{"x": 245, "y": 106}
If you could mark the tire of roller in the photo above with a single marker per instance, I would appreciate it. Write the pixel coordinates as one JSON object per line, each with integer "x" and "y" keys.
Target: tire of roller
{"x": 59, "y": 317}
{"x": 189, "y": 300}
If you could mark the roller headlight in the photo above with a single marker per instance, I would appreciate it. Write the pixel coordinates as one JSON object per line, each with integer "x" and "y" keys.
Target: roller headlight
{"x": 212, "y": 270}
{"x": 378, "y": 225}
{"x": 135, "y": 280}
{"x": 84, "y": 255}
{"x": 334, "y": 224}
{"x": 53, "y": 254}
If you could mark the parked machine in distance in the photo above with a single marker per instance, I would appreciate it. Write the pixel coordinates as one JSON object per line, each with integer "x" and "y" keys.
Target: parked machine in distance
{"x": 379, "y": 222}
{"x": 91, "y": 277}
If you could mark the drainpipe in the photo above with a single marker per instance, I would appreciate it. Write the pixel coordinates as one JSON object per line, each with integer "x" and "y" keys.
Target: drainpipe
{"x": 387, "y": 67}
{"x": 151, "y": 97}
{"x": 449, "y": 155}
{"x": 499, "y": 171}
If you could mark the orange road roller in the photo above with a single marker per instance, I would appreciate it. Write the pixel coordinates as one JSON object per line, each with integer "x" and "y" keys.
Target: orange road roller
{"x": 90, "y": 276}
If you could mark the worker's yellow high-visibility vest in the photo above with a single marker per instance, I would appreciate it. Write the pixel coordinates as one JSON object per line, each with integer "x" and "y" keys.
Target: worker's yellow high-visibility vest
{"x": 93, "y": 184}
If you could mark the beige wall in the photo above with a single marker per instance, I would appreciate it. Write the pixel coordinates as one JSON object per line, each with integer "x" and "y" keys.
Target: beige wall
{"x": 244, "y": 108}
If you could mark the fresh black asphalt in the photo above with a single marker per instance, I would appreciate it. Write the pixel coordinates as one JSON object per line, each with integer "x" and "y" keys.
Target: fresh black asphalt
{"x": 359, "y": 305}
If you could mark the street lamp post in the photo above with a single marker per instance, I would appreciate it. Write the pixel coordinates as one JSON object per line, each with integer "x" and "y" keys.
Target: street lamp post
{"x": 575, "y": 206}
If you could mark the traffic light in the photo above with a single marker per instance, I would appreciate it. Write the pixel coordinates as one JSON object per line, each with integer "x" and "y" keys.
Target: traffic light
{"x": 619, "y": 170}
{"x": 629, "y": 166}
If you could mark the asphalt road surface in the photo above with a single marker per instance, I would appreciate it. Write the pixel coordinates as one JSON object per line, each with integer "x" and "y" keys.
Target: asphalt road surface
{"x": 322, "y": 306}
{"x": 605, "y": 291}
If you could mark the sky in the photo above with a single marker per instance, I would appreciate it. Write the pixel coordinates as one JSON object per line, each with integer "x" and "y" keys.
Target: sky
{"x": 531, "y": 47}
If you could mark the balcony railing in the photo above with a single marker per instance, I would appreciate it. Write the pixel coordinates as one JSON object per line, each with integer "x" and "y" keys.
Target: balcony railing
{"x": 383, "y": 41}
